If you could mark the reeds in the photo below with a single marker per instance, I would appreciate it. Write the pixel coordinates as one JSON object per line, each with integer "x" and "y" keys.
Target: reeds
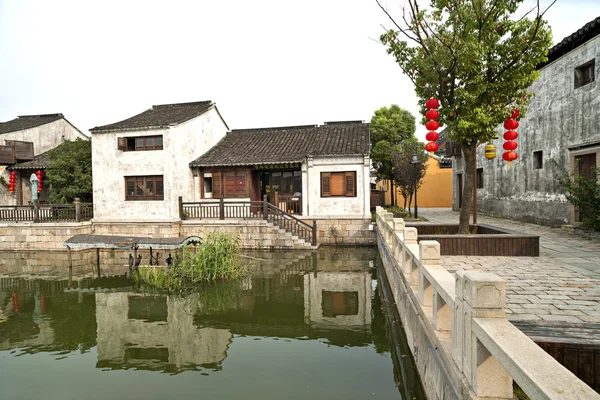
{"x": 217, "y": 259}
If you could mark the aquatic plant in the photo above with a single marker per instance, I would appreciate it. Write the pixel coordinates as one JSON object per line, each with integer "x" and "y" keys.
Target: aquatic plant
{"x": 217, "y": 259}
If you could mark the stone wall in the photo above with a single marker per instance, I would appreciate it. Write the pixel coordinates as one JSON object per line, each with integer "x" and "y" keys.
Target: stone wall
{"x": 344, "y": 232}
{"x": 561, "y": 123}
{"x": 40, "y": 236}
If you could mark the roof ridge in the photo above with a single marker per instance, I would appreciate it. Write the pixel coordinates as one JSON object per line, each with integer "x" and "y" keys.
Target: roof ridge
{"x": 194, "y": 103}
{"x": 275, "y": 128}
{"x": 60, "y": 115}
{"x": 357, "y": 121}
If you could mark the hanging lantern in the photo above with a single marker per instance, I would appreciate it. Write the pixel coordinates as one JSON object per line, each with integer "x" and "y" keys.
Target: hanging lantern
{"x": 39, "y": 175}
{"x": 432, "y": 125}
{"x": 432, "y": 115}
{"x": 510, "y": 135}
{"x": 432, "y": 103}
{"x": 12, "y": 181}
{"x": 509, "y": 156}
{"x": 432, "y": 136}
{"x": 432, "y": 147}
{"x": 490, "y": 151}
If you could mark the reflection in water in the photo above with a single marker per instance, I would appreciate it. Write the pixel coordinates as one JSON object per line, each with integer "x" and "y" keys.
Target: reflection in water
{"x": 324, "y": 297}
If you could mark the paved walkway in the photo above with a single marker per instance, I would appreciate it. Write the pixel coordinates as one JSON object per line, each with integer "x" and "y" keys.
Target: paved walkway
{"x": 562, "y": 284}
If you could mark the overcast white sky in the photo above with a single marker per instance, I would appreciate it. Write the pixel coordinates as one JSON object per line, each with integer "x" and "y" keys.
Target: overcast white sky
{"x": 264, "y": 62}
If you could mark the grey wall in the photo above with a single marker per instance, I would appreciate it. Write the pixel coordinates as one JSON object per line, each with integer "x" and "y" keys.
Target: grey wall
{"x": 559, "y": 117}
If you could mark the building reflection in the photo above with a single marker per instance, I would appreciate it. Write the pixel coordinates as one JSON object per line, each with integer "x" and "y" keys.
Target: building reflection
{"x": 324, "y": 295}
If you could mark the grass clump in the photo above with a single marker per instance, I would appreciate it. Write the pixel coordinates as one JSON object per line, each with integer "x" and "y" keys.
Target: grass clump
{"x": 217, "y": 259}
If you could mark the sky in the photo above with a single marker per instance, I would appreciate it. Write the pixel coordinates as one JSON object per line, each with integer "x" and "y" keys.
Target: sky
{"x": 263, "y": 62}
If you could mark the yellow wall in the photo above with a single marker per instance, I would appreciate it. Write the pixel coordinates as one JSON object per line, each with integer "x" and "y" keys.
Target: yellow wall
{"x": 435, "y": 191}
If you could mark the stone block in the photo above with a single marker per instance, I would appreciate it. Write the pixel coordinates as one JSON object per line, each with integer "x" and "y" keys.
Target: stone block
{"x": 410, "y": 235}
{"x": 485, "y": 293}
{"x": 429, "y": 251}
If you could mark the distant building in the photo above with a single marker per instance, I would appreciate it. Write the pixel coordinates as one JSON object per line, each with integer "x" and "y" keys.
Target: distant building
{"x": 24, "y": 145}
{"x": 562, "y": 126}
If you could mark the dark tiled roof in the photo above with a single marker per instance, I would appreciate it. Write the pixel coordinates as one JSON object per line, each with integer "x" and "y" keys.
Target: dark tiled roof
{"x": 287, "y": 144}
{"x": 28, "y": 121}
{"x": 587, "y": 32}
{"x": 161, "y": 116}
{"x": 40, "y": 161}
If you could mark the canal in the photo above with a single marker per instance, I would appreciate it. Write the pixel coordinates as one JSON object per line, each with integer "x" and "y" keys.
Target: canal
{"x": 303, "y": 326}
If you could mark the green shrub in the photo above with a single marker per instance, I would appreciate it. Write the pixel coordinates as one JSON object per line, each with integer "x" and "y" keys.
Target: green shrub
{"x": 398, "y": 212}
{"x": 584, "y": 193}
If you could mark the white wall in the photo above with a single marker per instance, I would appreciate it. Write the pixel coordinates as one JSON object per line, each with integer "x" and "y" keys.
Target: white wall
{"x": 181, "y": 145}
{"x": 45, "y": 137}
{"x": 317, "y": 206}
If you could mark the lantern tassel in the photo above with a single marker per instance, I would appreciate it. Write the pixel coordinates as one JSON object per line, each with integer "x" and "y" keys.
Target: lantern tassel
{"x": 509, "y": 165}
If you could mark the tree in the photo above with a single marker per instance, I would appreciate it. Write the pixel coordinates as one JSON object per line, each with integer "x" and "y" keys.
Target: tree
{"x": 69, "y": 171}
{"x": 407, "y": 175}
{"x": 583, "y": 191}
{"x": 478, "y": 59}
{"x": 389, "y": 127}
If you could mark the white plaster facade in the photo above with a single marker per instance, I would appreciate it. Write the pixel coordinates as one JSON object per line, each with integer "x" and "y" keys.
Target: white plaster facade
{"x": 44, "y": 137}
{"x": 182, "y": 143}
{"x": 314, "y": 205}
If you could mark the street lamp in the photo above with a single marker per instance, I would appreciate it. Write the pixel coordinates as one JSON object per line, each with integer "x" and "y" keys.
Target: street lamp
{"x": 415, "y": 161}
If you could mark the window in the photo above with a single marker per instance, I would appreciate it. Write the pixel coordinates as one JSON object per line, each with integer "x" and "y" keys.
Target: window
{"x": 230, "y": 184}
{"x": 584, "y": 74}
{"x": 140, "y": 143}
{"x": 479, "y": 178}
{"x": 144, "y": 188}
{"x": 338, "y": 184}
{"x": 538, "y": 160}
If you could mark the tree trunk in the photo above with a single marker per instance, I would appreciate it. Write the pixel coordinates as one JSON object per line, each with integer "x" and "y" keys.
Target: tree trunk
{"x": 409, "y": 204}
{"x": 392, "y": 192}
{"x": 467, "y": 194}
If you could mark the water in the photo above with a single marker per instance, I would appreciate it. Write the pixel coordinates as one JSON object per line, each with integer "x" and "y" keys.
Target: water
{"x": 302, "y": 327}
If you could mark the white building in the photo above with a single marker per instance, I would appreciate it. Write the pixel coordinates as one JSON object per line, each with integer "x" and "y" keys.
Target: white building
{"x": 311, "y": 171}
{"x": 141, "y": 164}
{"x": 33, "y": 136}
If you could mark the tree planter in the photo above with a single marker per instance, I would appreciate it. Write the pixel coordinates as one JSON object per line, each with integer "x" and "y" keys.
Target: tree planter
{"x": 488, "y": 241}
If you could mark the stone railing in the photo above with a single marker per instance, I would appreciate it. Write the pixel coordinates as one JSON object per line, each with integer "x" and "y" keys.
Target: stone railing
{"x": 463, "y": 345}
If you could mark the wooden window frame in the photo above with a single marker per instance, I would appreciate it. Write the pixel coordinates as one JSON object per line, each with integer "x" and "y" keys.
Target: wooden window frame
{"x": 241, "y": 184}
{"x": 580, "y": 73}
{"x": 346, "y": 176}
{"x": 143, "y": 180}
{"x": 479, "y": 178}
{"x": 130, "y": 143}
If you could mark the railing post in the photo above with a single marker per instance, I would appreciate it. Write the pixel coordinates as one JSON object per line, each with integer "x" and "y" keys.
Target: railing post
{"x": 484, "y": 296}
{"x": 36, "y": 211}
{"x": 265, "y": 207}
{"x": 429, "y": 254}
{"x": 180, "y": 202}
{"x": 457, "y": 322}
{"x": 221, "y": 208}
{"x": 77, "y": 203}
{"x": 314, "y": 233}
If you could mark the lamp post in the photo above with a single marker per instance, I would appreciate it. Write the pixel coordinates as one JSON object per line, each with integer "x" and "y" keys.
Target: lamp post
{"x": 415, "y": 161}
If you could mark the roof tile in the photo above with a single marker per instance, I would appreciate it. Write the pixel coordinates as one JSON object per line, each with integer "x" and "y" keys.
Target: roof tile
{"x": 27, "y": 122}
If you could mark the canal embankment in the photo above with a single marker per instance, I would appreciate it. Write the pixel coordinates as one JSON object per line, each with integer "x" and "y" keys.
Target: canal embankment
{"x": 456, "y": 326}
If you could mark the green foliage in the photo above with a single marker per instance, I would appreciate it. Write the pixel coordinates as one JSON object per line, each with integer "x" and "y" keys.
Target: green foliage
{"x": 478, "y": 58}
{"x": 398, "y": 212}
{"x": 70, "y": 172}
{"x": 584, "y": 193}
{"x": 217, "y": 259}
{"x": 389, "y": 127}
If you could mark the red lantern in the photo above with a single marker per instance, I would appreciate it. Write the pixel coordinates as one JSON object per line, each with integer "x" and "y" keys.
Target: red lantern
{"x": 509, "y": 156}
{"x": 432, "y": 125}
{"x": 432, "y": 115}
{"x": 12, "y": 181}
{"x": 432, "y": 136}
{"x": 432, "y": 103}
{"x": 510, "y": 145}
{"x": 432, "y": 147}
{"x": 510, "y": 135}
{"x": 514, "y": 114}
{"x": 511, "y": 124}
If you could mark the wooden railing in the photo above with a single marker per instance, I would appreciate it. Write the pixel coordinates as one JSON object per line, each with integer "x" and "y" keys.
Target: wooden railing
{"x": 213, "y": 209}
{"x": 75, "y": 212}
{"x": 464, "y": 323}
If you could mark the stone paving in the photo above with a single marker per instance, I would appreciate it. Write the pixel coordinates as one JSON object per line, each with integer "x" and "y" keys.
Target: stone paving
{"x": 562, "y": 284}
